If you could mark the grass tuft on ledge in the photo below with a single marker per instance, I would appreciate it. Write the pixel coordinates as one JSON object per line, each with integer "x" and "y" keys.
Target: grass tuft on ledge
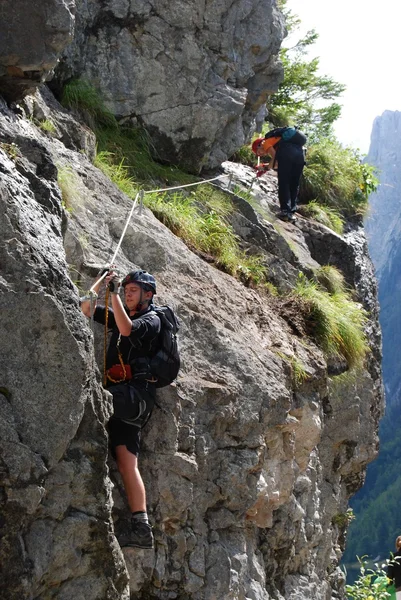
{"x": 331, "y": 279}
{"x": 200, "y": 221}
{"x": 335, "y": 321}
{"x": 80, "y": 96}
{"x": 325, "y": 215}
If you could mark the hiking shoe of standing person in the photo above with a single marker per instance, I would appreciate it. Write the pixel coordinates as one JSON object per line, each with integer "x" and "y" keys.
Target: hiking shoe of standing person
{"x": 283, "y": 215}
{"x": 291, "y": 217}
{"x": 140, "y": 536}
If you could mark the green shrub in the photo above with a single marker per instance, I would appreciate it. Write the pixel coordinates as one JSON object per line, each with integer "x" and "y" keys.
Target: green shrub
{"x": 342, "y": 520}
{"x": 337, "y": 178}
{"x": 371, "y": 583}
{"x": 79, "y": 95}
{"x": 11, "y": 150}
{"x": 323, "y": 214}
{"x": 336, "y": 322}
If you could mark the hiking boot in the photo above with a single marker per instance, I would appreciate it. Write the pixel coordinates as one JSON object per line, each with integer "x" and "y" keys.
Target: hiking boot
{"x": 291, "y": 217}
{"x": 140, "y": 536}
{"x": 283, "y": 215}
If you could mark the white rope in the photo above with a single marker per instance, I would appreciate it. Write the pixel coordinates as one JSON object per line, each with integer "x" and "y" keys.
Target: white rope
{"x": 93, "y": 297}
{"x": 178, "y": 187}
{"x": 140, "y": 195}
{"x": 125, "y": 229}
{"x": 120, "y": 241}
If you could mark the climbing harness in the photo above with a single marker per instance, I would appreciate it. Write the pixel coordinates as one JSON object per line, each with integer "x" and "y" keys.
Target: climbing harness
{"x": 106, "y": 374}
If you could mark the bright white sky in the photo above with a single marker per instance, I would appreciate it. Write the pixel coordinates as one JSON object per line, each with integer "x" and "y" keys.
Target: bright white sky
{"x": 359, "y": 45}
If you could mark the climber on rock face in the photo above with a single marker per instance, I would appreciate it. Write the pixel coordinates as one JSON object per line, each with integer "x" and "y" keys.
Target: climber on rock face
{"x": 135, "y": 330}
{"x": 285, "y": 146}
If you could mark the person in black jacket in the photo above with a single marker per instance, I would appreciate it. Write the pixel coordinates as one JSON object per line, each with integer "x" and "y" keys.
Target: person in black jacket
{"x": 394, "y": 568}
{"x": 135, "y": 329}
{"x": 290, "y": 159}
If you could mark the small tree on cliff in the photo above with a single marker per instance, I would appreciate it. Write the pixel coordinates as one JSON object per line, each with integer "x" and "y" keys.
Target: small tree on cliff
{"x": 372, "y": 584}
{"x": 302, "y": 87}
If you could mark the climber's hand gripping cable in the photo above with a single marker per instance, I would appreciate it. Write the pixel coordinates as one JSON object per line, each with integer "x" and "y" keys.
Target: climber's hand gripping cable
{"x": 88, "y": 302}
{"x": 113, "y": 282}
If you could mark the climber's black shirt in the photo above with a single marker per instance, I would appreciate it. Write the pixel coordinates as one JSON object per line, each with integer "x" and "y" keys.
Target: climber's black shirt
{"x": 141, "y": 342}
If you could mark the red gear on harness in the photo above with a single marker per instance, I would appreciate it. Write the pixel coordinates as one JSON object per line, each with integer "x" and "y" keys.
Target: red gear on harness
{"x": 261, "y": 169}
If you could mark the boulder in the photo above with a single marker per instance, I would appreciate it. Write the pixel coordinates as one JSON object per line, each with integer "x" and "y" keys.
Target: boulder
{"x": 32, "y": 37}
{"x": 195, "y": 74}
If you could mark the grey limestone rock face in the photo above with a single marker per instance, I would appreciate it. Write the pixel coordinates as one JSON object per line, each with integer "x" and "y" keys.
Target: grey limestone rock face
{"x": 248, "y": 469}
{"x": 54, "y": 480}
{"x": 32, "y": 37}
{"x": 194, "y": 73}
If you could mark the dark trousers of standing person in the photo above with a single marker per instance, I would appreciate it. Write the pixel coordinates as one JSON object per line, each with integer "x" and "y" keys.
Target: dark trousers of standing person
{"x": 290, "y": 159}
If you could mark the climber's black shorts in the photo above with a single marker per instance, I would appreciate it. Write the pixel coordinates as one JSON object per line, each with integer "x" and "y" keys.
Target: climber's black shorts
{"x": 133, "y": 404}
{"x": 122, "y": 434}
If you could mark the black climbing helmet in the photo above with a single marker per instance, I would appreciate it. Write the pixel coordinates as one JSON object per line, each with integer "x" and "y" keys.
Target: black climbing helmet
{"x": 143, "y": 278}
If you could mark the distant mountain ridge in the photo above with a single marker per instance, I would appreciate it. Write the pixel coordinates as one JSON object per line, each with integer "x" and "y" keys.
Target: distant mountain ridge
{"x": 383, "y": 227}
{"x": 376, "y": 505}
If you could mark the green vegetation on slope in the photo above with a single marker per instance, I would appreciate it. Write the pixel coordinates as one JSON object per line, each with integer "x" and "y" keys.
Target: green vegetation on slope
{"x": 337, "y": 177}
{"x": 200, "y": 217}
{"x": 335, "y": 321}
{"x": 132, "y": 147}
{"x": 207, "y": 231}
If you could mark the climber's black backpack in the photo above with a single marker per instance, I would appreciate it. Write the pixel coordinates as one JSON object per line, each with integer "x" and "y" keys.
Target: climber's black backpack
{"x": 165, "y": 363}
{"x": 288, "y": 134}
